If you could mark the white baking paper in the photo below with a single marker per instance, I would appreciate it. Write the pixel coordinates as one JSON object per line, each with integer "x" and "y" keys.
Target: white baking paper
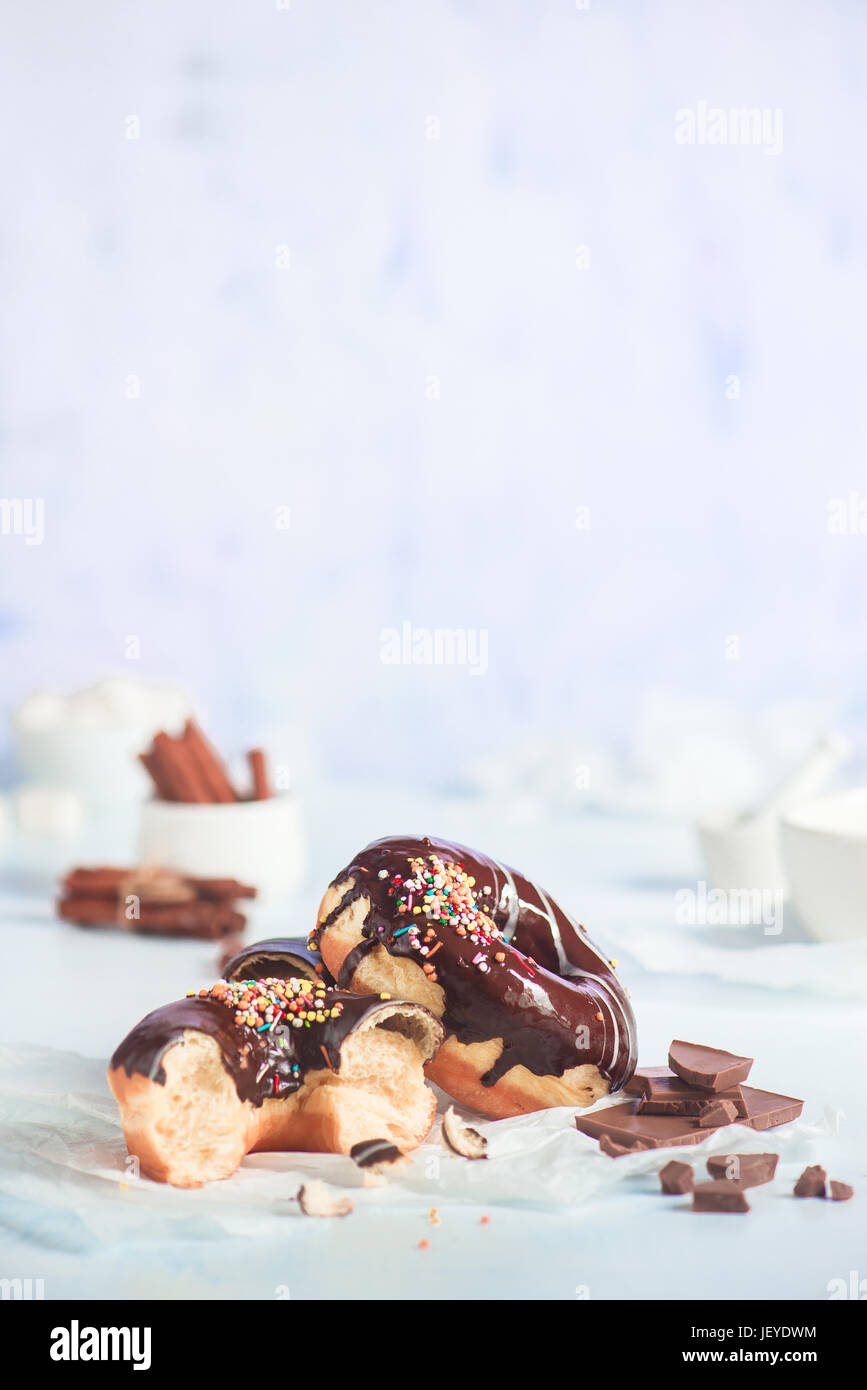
{"x": 65, "y": 1182}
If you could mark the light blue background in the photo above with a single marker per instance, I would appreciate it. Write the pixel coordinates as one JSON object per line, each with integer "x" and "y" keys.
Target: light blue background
{"x": 410, "y": 258}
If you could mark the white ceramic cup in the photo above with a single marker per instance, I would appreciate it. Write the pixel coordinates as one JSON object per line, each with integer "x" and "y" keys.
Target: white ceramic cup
{"x": 257, "y": 842}
{"x": 824, "y": 844}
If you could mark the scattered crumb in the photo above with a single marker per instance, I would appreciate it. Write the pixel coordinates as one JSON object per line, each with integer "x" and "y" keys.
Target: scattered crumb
{"x": 316, "y": 1199}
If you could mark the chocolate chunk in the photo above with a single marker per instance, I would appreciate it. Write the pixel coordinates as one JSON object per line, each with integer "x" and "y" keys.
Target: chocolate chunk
{"x": 676, "y": 1177}
{"x": 671, "y": 1096}
{"x": 747, "y": 1170}
{"x": 640, "y": 1082}
{"x": 613, "y": 1150}
{"x": 812, "y": 1181}
{"x": 709, "y": 1068}
{"x": 765, "y": 1109}
{"x": 716, "y": 1113}
{"x": 624, "y": 1125}
{"x": 841, "y": 1191}
{"x": 719, "y": 1196}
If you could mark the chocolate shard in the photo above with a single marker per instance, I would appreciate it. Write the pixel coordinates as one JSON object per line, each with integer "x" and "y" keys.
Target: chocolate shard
{"x": 676, "y": 1178}
{"x": 639, "y": 1084}
{"x": 709, "y": 1068}
{"x": 714, "y": 1114}
{"x": 625, "y": 1125}
{"x": 719, "y": 1195}
{"x": 668, "y": 1095}
{"x": 812, "y": 1181}
{"x": 377, "y": 1155}
{"x": 765, "y": 1109}
{"x": 747, "y": 1170}
{"x": 841, "y": 1191}
{"x": 615, "y": 1150}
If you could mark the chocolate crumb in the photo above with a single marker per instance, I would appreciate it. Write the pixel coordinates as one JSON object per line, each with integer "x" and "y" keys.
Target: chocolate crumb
{"x": 676, "y": 1178}
{"x": 812, "y": 1181}
{"x": 841, "y": 1191}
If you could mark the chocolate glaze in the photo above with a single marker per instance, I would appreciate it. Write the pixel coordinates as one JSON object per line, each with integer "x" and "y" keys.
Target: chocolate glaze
{"x": 553, "y": 985}
{"x": 262, "y": 1065}
{"x": 279, "y": 957}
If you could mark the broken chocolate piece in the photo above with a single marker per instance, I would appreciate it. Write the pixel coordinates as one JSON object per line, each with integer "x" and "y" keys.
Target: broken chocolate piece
{"x": 676, "y": 1178}
{"x": 316, "y": 1199}
{"x": 765, "y": 1109}
{"x": 377, "y": 1155}
{"x": 666, "y": 1094}
{"x": 614, "y": 1150}
{"x": 460, "y": 1138}
{"x": 719, "y": 1195}
{"x": 812, "y": 1181}
{"x": 747, "y": 1170}
{"x": 717, "y": 1113}
{"x": 624, "y": 1125}
{"x": 841, "y": 1191}
{"x": 642, "y": 1078}
{"x": 709, "y": 1068}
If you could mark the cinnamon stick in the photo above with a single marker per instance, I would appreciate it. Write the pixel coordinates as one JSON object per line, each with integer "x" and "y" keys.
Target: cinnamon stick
{"x": 259, "y": 774}
{"x": 162, "y": 780}
{"x": 222, "y": 889}
{"x": 204, "y": 920}
{"x": 209, "y": 767}
{"x": 188, "y": 781}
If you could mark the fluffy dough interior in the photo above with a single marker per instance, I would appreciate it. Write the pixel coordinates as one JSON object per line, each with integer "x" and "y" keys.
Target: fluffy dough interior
{"x": 195, "y": 1128}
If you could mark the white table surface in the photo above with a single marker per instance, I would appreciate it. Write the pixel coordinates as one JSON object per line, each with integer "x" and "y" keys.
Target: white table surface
{"x": 80, "y": 992}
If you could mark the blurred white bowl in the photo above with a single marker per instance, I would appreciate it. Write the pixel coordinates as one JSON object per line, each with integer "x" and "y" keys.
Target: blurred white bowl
{"x": 824, "y": 845}
{"x": 742, "y": 853}
{"x": 257, "y": 842}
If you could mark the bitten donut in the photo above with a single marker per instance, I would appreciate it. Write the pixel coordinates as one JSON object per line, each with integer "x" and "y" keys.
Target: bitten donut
{"x": 533, "y": 1012}
{"x": 271, "y": 1064}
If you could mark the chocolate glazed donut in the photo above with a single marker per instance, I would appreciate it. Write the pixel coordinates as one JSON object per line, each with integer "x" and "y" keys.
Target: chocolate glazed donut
{"x": 533, "y": 1011}
{"x": 274, "y": 1063}
{"x": 282, "y": 956}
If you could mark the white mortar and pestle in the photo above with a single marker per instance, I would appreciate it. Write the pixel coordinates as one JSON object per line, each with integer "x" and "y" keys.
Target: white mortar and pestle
{"x": 744, "y": 851}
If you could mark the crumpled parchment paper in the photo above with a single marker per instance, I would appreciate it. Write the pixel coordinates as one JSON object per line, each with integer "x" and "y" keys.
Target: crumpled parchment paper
{"x": 66, "y": 1184}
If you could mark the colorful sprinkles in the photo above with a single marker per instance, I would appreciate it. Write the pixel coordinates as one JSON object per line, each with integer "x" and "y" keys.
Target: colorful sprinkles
{"x": 441, "y": 893}
{"x": 262, "y": 1004}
